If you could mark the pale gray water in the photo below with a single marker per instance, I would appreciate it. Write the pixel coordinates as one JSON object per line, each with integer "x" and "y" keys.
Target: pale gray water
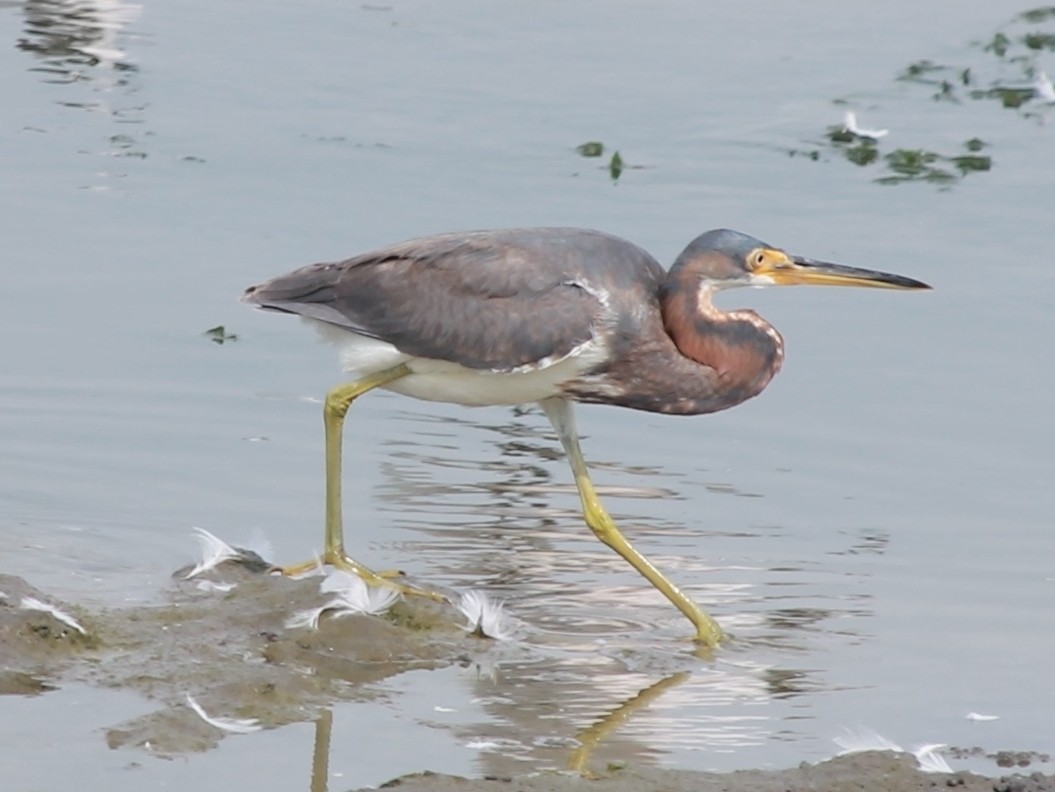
{"x": 875, "y": 528}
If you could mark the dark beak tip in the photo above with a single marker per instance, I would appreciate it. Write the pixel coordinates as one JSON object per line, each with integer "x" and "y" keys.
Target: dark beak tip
{"x": 918, "y": 285}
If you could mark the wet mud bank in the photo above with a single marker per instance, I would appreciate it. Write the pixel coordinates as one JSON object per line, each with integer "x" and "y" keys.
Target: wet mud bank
{"x": 881, "y": 771}
{"x": 242, "y": 651}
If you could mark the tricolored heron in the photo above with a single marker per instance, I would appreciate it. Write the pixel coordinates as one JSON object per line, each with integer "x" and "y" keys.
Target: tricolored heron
{"x": 554, "y": 316}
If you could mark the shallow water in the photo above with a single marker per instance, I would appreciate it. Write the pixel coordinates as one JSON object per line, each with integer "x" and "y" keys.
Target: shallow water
{"x": 875, "y": 529}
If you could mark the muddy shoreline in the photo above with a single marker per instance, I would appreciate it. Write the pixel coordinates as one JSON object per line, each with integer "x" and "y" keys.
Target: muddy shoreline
{"x": 871, "y": 770}
{"x": 233, "y": 652}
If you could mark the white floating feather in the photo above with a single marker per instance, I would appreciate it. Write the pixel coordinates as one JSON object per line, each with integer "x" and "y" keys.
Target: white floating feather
{"x": 930, "y": 761}
{"x": 486, "y": 616}
{"x": 1043, "y": 90}
{"x": 850, "y": 125}
{"x": 306, "y": 618}
{"x": 864, "y": 739}
{"x": 233, "y": 725}
{"x": 32, "y": 603}
{"x": 351, "y": 595}
{"x": 214, "y": 551}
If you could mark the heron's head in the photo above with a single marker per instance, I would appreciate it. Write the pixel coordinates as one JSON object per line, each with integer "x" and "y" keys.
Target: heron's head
{"x": 723, "y": 258}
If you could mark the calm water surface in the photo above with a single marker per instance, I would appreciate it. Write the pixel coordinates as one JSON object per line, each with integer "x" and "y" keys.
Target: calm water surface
{"x": 876, "y": 529}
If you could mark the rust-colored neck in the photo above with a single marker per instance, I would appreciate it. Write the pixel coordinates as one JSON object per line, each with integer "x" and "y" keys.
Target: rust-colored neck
{"x": 742, "y": 348}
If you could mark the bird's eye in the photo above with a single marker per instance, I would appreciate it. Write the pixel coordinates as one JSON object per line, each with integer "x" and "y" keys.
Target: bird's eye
{"x": 760, "y": 259}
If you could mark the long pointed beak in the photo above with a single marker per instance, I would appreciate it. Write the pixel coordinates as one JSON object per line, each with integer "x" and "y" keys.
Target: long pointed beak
{"x": 780, "y": 268}
{"x": 798, "y": 270}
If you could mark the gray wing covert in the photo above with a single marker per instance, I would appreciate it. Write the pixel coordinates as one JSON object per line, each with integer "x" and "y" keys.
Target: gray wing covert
{"x": 488, "y": 300}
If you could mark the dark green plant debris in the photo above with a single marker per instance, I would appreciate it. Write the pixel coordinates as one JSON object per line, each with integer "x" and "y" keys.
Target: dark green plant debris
{"x": 930, "y": 166}
{"x": 998, "y": 45}
{"x": 1041, "y": 14}
{"x": 615, "y": 166}
{"x": 910, "y": 162}
{"x": 1006, "y": 69}
{"x": 904, "y": 164}
{"x": 864, "y": 153}
{"x": 1015, "y": 45}
{"x": 1039, "y": 41}
{"x": 123, "y": 146}
{"x": 840, "y": 134}
{"x": 921, "y": 72}
{"x": 219, "y": 335}
{"x": 591, "y": 148}
{"x": 968, "y": 163}
{"x": 1012, "y": 98}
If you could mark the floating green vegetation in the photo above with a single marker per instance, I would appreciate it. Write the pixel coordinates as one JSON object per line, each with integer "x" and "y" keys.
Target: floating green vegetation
{"x": 953, "y": 83}
{"x": 930, "y": 166}
{"x": 591, "y": 148}
{"x": 1012, "y": 98}
{"x": 122, "y": 146}
{"x": 970, "y": 163}
{"x": 999, "y": 45}
{"x": 1038, "y": 14}
{"x": 864, "y": 153}
{"x": 615, "y": 165}
{"x": 813, "y": 154}
{"x": 1019, "y": 83}
{"x": 1039, "y": 41}
{"x": 219, "y": 335}
{"x": 922, "y": 72}
{"x": 863, "y": 148}
{"x": 1015, "y": 80}
{"x": 945, "y": 79}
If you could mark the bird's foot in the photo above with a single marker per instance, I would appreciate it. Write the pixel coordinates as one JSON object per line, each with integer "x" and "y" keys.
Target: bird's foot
{"x": 388, "y": 578}
{"x": 708, "y": 633}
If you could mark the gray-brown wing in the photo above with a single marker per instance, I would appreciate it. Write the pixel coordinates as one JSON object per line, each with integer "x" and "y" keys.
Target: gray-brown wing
{"x": 487, "y": 300}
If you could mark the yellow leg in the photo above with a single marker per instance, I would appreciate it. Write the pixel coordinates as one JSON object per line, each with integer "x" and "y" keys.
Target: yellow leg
{"x": 335, "y": 408}
{"x": 604, "y": 528}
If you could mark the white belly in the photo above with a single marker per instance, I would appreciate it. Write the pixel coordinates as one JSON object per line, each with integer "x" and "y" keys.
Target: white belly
{"x": 443, "y": 381}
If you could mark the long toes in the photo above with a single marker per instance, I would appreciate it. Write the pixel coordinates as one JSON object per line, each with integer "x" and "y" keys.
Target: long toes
{"x": 296, "y": 570}
{"x": 389, "y": 578}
